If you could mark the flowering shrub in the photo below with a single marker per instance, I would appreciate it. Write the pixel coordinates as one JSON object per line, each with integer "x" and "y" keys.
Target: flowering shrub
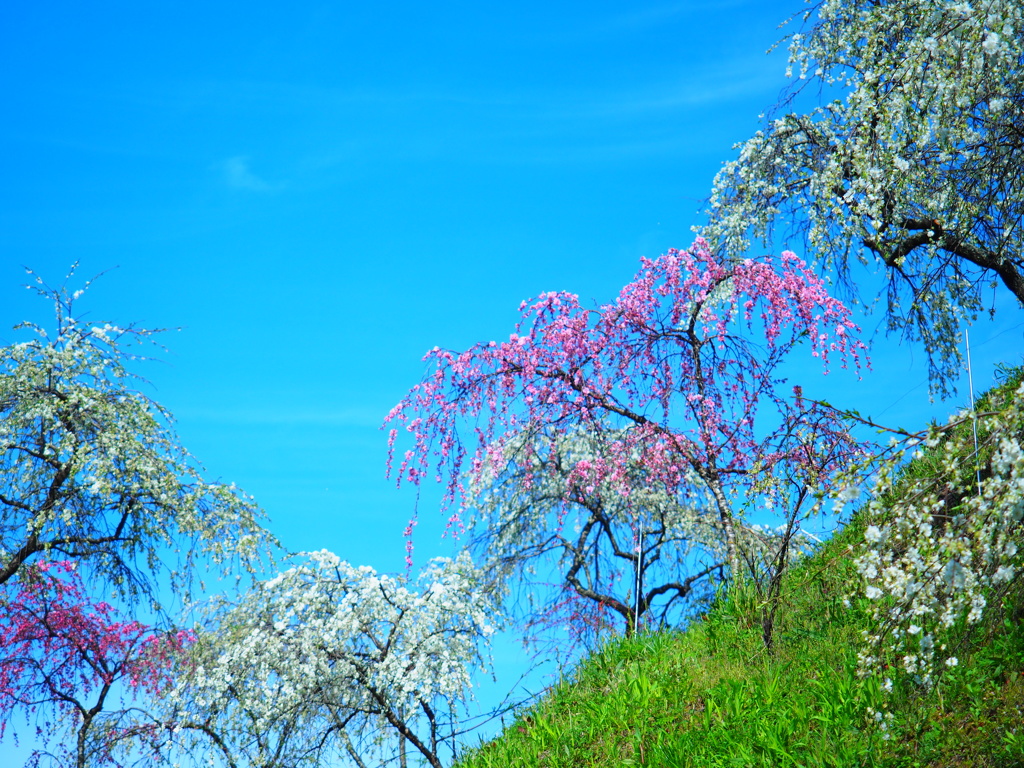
{"x": 943, "y": 535}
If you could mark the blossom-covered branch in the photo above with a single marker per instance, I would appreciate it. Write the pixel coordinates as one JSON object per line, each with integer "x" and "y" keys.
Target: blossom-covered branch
{"x": 943, "y": 533}
{"x": 91, "y": 471}
{"x": 543, "y": 505}
{"x": 67, "y": 664}
{"x": 914, "y": 166}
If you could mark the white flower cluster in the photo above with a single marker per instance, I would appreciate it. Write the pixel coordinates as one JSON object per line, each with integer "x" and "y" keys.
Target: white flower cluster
{"x": 329, "y": 656}
{"x": 950, "y": 539}
{"x": 915, "y": 165}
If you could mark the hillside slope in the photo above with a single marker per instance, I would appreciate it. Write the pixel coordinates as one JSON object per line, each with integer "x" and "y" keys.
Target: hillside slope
{"x": 713, "y": 696}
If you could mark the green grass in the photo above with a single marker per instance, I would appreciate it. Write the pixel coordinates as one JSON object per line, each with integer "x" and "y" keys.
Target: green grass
{"x": 712, "y": 696}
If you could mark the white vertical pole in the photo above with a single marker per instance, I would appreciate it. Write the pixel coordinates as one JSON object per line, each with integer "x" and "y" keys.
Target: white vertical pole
{"x": 974, "y": 413}
{"x": 639, "y": 560}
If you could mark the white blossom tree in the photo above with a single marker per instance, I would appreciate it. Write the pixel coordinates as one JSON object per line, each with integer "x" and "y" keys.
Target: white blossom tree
{"x": 91, "y": 471}
{"x": 329, "y": 660}
{"x": 913, "y": 166}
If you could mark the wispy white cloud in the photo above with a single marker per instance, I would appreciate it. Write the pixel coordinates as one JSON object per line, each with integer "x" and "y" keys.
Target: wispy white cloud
{"x": 238, "y": 175}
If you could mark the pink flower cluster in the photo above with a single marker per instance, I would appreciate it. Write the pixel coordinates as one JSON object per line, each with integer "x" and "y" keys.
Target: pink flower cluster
{"x": 679, "y": 366}
{"x": 57, "y": 647}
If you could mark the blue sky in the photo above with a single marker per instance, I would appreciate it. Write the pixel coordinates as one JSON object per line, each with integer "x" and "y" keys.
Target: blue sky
{"x": 317, "y": 193}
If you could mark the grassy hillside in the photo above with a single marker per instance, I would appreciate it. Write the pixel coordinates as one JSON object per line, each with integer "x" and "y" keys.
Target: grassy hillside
{"x": 712, "y": 695}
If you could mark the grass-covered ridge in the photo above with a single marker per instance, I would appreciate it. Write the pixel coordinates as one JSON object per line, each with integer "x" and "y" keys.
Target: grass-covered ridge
{"x": 713, "y": 696}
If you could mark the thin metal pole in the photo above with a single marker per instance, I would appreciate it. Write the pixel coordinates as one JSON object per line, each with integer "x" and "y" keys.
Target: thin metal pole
{"x": 974, "y": 411}
{"x": 639, "y": 582}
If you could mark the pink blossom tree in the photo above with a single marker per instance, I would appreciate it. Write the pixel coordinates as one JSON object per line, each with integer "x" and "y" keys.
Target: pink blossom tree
{"x": 70, "y": 667}
{"x": 677, "y": 383}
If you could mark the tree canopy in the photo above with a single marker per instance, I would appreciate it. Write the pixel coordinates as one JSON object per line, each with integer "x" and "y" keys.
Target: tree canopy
{"x": 671, "y": 394}
{"x": 330, "y": 660}
{"x": 70, "y": 663}
{"x": 910, "y": 160}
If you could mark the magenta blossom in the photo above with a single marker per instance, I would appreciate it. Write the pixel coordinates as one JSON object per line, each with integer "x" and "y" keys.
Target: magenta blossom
{"x": 61, "y": 657}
